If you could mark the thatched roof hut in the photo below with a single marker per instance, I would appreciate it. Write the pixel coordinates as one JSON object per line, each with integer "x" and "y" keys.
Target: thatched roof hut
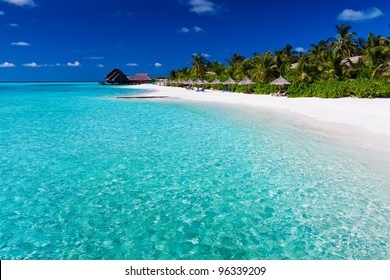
{"x": 351, "y": 60}
{"x": 139, "y": 78}
{"x": 117, "y": 77}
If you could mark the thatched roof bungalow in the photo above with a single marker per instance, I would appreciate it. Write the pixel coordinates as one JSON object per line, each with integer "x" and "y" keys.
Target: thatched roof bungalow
{"x": 117, "y": 77}
{"x": 351, "y": 60}
{"x": 139, "y": 78}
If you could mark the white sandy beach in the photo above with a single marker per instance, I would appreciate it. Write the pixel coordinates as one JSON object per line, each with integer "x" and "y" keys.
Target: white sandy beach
{"x": 365, "y": 121}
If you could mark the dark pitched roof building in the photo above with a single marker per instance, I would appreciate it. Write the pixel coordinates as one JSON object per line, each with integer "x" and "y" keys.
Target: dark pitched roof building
{"x": 116, "y": 76}
{"x": 139, "y": 78}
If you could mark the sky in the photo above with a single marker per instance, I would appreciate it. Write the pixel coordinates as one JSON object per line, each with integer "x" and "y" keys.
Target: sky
{"x": 83, "y": 40}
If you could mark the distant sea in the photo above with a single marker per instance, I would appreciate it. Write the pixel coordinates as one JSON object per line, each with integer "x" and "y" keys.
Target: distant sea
{"x": 84, "y": 175}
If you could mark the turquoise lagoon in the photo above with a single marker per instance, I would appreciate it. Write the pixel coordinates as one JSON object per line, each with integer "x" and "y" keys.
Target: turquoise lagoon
{"x": 84, "y": 175}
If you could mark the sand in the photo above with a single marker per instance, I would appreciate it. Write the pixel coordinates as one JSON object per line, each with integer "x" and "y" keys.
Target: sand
{"x": 360, "y": 121}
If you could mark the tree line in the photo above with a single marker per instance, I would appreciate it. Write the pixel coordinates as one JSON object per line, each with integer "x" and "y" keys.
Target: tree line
{"x": 346, "y": 65}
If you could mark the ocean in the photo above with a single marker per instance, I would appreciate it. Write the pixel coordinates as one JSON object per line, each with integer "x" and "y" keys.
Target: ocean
{"x": 84, "y": 175}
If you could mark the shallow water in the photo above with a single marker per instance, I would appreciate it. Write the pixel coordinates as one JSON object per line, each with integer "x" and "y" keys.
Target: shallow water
{"x": 86, "y": 176}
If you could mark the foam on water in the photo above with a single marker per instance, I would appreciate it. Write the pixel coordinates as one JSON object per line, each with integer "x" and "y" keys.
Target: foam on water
{"x": 86, "y": 176}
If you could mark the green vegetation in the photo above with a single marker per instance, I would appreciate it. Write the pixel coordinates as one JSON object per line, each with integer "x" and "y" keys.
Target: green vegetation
{"x": 337, "y": 67}
{"x": 363, "y": 88}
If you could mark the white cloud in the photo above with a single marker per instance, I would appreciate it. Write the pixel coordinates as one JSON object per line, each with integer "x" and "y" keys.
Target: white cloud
{"x": 36, "y": 65}
{"x": 13, "y": 24}
{"x": 132, "y": 64}
{"x": 96, "y": 57}
{"x": 203, "y": 7}
{"x": 100, "y": 65}
{"x": 351, "y": 15}
{"x": 75, "y": 64}
{"x": 202, "y": 54}
{"x": 21, "y": 2}
{"x": 198, "y": 29}
{"x": 157, "y": 64}
{"x": 32, "y": 64}
{"x": 21, "y": 44}
{"x": 300, "y": 49}
{"x": 7, "y": 65}
{"x": 195, "y": 29}
{"x": 184, "y": 30}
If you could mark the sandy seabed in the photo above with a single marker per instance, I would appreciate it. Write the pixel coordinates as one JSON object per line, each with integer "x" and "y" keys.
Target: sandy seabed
{"x": 361, "y": 122}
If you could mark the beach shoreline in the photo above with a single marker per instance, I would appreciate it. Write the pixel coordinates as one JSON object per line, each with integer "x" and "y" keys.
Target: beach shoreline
{"x": 360, "y": 122}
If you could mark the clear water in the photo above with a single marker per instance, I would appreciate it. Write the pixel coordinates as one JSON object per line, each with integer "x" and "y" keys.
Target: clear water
{"x": 86, "y": 176}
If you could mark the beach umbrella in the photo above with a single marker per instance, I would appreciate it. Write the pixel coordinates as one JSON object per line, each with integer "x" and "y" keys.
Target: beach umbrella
{"x": 216, "y": 82}
{"x": 246, "y": 81}
{"x": 189, "y": 82}
{"x": 229, "y": 81}
{"x": 198, "y": 82}
{"x": 280, "y": 81}
{"x": 205, "y": 82}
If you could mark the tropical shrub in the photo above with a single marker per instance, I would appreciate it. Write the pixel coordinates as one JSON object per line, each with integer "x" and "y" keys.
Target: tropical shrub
{"x": 362, "y": 88}
{"x": 265, "y": 88}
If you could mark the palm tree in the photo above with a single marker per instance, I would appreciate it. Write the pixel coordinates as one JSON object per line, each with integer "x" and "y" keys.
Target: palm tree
{"x": 284, "y": 58}
{"x": 241, "y": 69}
{"x": 199, "y": 65}
{"x": 335, "y": 67}
{"x": 306, "y": 70}
{"x": 218, "y": 68}
{"x": 173, "y": 74}
{"x": 264, "y": 68}
{"x": 235, "y": 66}
{"x": 377, "y": 55}
{"x": 344, "y": 44}
{"x": 236, "y": 59}
{"x": 182, "y": 74}
{"x": 319, "y": 54}
{"x": 378, "y": 60}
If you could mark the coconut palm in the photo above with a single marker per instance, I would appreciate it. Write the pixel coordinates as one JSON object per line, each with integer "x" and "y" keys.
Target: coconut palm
{"x": 236, "y": 67}
{"x": 241, "y": 69}
{"x": 306, "y": 70}
{"x": 173, "y": 74}
{"x": 218, "y": 68}
{"x": 344, "y": 44}
{"x": 236, "y": 59}
{"x": 320, "y": 51}
{"x": 284, "y": 58}
{"x": 376, "y": 54}
{"x": 335, "y": 67}
{"x": 378, "y": 59}
{"x": 199, "y": 65}
{"x": 264, "y": 68}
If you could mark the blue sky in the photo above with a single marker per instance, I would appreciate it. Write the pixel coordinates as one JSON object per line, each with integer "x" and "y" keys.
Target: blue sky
{"x": 80, "y": 40}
